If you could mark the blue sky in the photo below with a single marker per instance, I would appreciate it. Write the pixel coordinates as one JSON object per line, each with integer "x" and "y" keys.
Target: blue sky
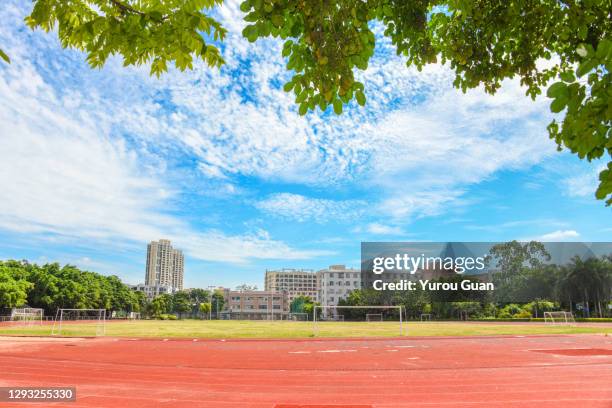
{"x": 96, "y": 163}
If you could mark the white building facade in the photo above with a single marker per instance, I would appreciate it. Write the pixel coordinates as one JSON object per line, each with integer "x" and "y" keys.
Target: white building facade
{"x": 295, "y": 282}
{"x": 336, "y": 282}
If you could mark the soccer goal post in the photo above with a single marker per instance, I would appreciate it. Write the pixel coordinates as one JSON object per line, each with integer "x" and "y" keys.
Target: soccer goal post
{"x": 27, "y": 315}
{"x": 133, "y": 316}
{"x": 298, "y": 317}
{"x": 374, "y": 317}
{"x": 79, "y": 322}
{"x": 559, "y": 318}
{"x": 357, "y": 314}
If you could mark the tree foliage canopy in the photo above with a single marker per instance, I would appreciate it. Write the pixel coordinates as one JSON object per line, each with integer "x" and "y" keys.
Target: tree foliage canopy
{"x": 151, "y": 32}
{"x": 14, "y": 286}
{"x": 483, "y": 41}
{"x": 328, "y": 41}
{"x": 51, "y": 287}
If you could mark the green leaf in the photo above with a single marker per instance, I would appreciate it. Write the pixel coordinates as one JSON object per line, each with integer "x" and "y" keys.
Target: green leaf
{"x": 250, "y": 33}
{"x": 337, "y": 106}
{"x": 361, "y": 99}
{"x": 4, "y": 57}
{"x": 245, "y": 6}
{"x": 586, "y": 67}
{"x": 156, "y": 16}
{"x": 277, "y": 20}
{"x": 557, "y": 89}
{"x": 303, "y": 109}
{"x": 558, "y": 104}
{"x": 604, "y": 48}
{"x": 568, "y": 76}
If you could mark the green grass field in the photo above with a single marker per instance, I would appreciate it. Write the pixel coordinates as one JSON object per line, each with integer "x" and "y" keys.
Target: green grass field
{"x": 280, "y": 329}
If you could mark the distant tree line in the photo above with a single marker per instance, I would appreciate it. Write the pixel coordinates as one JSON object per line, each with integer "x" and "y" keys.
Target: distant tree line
{"x": 195, "y": 303}
{"x": 525, "y": 286}
{"x": 52, "y": 287}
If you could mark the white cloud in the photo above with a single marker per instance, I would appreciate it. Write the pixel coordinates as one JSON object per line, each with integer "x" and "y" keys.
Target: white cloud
{"x": 522, "y": 224}
{"x": 382, "y": 229}
{"x": 582, "y": 183}
{"x": 418, "y": 136}
{"x": 217, "y": 246}
{"x": 302, "y": 208}
{"x": 404, "y": 206}
{"x": 559, "y": 235}
{"x": 88, "y": 153}
{"x": 65, "y": 174}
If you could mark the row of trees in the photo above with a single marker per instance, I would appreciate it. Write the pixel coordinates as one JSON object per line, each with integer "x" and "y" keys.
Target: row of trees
{"x": 522, "y": 274}
{"x": 525, "y": 286}
{"x": 197, "y": 303}
{"x": 52, "y": 287}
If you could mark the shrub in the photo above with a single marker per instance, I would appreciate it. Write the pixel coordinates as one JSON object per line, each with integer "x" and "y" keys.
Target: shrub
{"x": 523, "y": 314}
{"x": 489, "y": 310}
{"x": 165, "y": 316}
{"x": 510, "y": 310}
{"x": 538, "y": 307}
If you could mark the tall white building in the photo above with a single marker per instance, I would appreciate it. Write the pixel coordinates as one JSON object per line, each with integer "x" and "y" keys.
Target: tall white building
{"x": 165, "y": 265}
{"x": 296, "y": 282}
{"x": 336, "y": 282}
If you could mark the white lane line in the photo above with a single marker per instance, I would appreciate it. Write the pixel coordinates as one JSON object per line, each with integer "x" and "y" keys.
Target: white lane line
{"x": 392, "y": 350}
{"x": 299, "y": 352}
{"x": 404, "y": 346}
{"x": 336, "y": 351}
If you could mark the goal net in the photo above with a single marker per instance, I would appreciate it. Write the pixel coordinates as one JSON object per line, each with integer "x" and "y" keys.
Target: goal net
{"x": 391, "y": 317}
{"x": 27, "y": 315}
{"x": 79, "y": 322}
{"x": 298, "y": 317}
{"x": 559, "y": 318}
{"x": 374, "y": 317}
{"x": 133, "y": 316}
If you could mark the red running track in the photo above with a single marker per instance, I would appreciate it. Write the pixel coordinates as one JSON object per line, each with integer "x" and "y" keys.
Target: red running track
{"x": 512, "y": 371}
